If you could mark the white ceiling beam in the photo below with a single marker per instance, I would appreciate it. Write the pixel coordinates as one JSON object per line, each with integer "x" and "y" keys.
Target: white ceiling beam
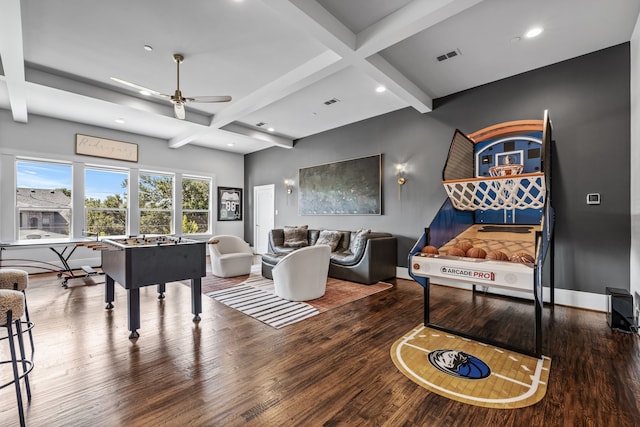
{"x": 317, "y": 22}
{"x": 302, "y": 76}
{"x": 12, "y": 54}
{"x": 411, "y": 19}
{"x": 386, "y": 74}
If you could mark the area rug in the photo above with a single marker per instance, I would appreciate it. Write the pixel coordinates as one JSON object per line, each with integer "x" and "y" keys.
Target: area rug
{"x": 470, "y": 371}
{"x": 338, "y": 292}
{"x": 264, "y": 306}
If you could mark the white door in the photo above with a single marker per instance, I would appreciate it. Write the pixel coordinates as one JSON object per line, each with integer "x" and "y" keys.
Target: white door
{"x": 263, "y": 215}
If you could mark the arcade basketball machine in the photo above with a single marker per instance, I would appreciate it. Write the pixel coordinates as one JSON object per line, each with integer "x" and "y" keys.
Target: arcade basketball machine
{"x": 496, "y": 226}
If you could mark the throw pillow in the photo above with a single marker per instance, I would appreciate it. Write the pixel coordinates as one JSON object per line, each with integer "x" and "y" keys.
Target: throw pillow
{"x": 358, "y": 240}
{"x": 330, "y": 238}
{"x": 295, "y": 236}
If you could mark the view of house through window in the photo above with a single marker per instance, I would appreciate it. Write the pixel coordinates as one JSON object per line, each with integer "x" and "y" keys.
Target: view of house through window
{"x": 195, "y": 205}
{"x": 155, "y": 193}
{"x": 105, "y": 202}
{"x": 43, "y": 199}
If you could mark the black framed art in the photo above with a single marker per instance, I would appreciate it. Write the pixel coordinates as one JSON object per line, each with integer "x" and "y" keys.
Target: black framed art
{"x": 229, "y": 204}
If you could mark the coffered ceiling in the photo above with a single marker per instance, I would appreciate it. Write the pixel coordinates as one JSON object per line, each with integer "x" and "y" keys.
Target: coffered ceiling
{"x": 298, "y": 67}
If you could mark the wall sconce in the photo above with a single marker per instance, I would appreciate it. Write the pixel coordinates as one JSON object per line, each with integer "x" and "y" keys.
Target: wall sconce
{"x": 288, "y": 187}
{"x": 401, "y": 178}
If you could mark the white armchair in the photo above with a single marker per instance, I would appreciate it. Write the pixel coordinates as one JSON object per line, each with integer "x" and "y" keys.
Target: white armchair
{"x": 302, "y": 274}
{"x": 230, "y": 256}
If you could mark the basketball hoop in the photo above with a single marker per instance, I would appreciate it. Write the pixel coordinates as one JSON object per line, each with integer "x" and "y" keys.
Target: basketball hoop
{"x": 514, "y": 191}
{"x": 505, "y": 170}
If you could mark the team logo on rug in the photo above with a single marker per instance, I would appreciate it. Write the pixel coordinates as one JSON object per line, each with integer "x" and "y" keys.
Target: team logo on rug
{"x": 459, "y": 364}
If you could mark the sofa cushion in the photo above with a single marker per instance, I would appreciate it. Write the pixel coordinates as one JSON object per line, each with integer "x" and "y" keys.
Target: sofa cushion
{"x": 329, "y": 237}
{"x": 295, "y": 236}
{"x": 358, "y": 241}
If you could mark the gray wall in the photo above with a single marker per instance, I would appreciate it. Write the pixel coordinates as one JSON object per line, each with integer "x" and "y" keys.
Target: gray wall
{"x": 53, "y": 139}
{"x": 589, "y": 102}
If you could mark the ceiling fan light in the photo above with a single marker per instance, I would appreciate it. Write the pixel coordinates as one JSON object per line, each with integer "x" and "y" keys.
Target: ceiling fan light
{"x": 178, "y": 110}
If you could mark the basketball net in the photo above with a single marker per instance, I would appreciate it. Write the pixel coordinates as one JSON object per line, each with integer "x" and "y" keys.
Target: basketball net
{"x": 506, "y": 188}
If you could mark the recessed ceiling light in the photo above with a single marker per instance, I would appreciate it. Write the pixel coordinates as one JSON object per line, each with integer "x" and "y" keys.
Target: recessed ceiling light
{"x": 230, "y": 144}
{"x": 381, "y": 89}
{"x": 148, "y": 48}
{"x": 119, "y": 120}
{"x": 270, "y": 129}
{"x": 533, "y": 32}
{"x": 145, "y": 93}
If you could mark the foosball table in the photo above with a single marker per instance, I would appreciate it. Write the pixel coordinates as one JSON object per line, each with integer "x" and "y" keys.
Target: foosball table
{"x": 140, "y": 261}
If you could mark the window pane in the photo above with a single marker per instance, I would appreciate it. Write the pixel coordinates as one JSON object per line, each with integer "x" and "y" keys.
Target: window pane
{"x": 195, "y": 222}
{"x": 43, "y": 199}
{"x": 155, "y": 222}
{"x": 195, "y": 205}
{"x": 106, "y": 202}
{"x": 106, "y": 222}
{"x": 195, "y": 194}
{"x": 155, "y": 191}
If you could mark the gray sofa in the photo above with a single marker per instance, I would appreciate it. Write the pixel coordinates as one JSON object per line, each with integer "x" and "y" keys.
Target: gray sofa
{"x": 366, "y": 257}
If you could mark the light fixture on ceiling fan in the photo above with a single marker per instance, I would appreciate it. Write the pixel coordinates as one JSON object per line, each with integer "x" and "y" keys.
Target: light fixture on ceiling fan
{"x": 177, "y": 98}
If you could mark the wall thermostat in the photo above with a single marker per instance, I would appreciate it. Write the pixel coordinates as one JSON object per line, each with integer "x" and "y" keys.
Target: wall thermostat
{"x": 593, "y": 198}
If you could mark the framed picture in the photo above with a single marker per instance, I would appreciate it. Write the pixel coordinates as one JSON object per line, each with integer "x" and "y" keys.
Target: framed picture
{"x": 349, "y": 187}
{"x": 229, "y": 204}
{"x": 106, "y": 148}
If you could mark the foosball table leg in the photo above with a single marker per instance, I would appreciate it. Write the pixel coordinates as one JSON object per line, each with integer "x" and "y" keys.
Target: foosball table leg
{"x": 109, "y": 292}
{"x": 161, "y": 290}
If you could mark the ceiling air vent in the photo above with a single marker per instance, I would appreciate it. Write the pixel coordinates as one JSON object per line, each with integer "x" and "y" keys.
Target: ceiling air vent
{"x": 260, "y": 124}
{"x": 448, "y": 55}
{"x": 331, "y": 101}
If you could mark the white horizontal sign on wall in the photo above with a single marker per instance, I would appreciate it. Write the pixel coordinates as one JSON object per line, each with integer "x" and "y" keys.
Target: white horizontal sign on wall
{"x": 107, "y": 148}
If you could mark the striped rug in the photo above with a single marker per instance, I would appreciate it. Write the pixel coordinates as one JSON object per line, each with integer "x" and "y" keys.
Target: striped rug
{"x": 264, "y": 306}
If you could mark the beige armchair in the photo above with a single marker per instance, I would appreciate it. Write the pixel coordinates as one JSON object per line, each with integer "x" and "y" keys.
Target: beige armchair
{"x": 302, "y": 274}
{"x": 230, "y": 256}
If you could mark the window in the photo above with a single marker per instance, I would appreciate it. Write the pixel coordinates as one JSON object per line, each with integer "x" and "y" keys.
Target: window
{"x": 196, "y": 208}
{"x": 155, "y": 193}
{"x": 43, "y": 199}
{"x": 105, "y": 202}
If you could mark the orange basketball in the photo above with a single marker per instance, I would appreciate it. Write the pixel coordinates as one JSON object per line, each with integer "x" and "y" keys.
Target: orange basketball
{"x": 497, "y": 256}
{"x": 522, "y": 257}
{"x": 476, "y": 253}
{"x": 465, "y": 246}
{"x": 430, "y": 250}
{"x": 456, "y": 252}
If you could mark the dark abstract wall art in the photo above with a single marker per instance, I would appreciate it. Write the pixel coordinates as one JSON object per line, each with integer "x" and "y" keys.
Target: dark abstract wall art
{"x": 349, "y": 187}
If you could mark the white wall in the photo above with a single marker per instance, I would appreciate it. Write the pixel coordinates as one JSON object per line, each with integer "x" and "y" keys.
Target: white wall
{"x": 52, "y": 139}
{"x": 635, "y": 165}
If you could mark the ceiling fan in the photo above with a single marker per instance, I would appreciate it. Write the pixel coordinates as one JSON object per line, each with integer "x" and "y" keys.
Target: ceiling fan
{"x": 177, "y": 98}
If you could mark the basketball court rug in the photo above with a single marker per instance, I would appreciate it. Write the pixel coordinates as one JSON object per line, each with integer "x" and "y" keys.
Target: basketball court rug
{"x": 470, "y": 371}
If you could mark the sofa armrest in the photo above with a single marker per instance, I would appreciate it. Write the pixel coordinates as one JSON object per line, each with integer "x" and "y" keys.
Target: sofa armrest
{"x": 378, "y": 262}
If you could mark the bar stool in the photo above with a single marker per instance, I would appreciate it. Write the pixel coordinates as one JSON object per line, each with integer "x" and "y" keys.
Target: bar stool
{"x": 11, "y": 310}
{"x": 18, "y": 280}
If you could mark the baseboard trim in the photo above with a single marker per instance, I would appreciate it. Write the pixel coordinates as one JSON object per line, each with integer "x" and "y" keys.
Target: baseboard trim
{"x": 567, "y": 297}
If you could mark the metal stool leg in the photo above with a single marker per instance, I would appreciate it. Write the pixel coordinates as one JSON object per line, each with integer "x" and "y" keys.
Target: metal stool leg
{"x": 25, "y": 366}
{"x": 14, "y": 365}
{"x": 29, "y": 324}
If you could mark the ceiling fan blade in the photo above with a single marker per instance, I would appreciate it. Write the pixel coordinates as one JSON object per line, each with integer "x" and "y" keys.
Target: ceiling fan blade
{"x": 139, "y": 88}
{"x": 178, "y": 110}
{"x": 209, "y": 99}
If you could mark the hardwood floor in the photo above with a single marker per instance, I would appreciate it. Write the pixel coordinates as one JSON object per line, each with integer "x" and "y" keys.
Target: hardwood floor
{"x": 333, "y": 369}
